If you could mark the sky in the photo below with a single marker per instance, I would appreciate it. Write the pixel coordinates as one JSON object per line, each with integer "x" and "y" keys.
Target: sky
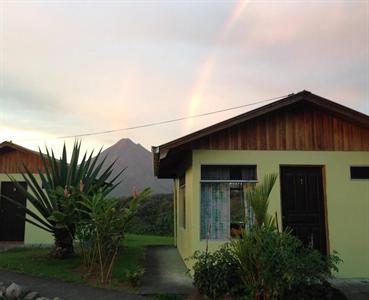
{"x": 74, "y": 67}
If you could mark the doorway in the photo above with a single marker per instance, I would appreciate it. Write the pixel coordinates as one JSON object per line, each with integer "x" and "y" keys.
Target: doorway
{"x": 303, "y": 207}
{"x": 12, "y": 222}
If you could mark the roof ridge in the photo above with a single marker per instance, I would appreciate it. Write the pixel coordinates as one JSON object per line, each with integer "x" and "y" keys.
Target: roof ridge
{"x": 292, "y": 98}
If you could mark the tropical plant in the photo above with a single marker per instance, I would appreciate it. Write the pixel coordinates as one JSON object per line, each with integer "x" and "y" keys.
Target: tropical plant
{"x": 270, "y": 262}
{"x": 215, "y": 274}
{"x": 154, "y": 216}
{"x": 135, "y": 276}
{"x": 101, "y": 231}
{"x": 56, "y": 193}
{"x": 258, "y": 198}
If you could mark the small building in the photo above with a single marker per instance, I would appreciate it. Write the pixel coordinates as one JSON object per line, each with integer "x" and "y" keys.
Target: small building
{"x": 318, "y": 148}
{"x": 13, "y": 228}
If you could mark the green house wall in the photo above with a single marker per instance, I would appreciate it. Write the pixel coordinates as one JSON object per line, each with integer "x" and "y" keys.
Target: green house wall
{"x": 347, "y": 201}
{"x": 32, "y": 234}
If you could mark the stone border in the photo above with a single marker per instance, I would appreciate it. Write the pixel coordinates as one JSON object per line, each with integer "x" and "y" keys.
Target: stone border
{"x": 18, "y": 292}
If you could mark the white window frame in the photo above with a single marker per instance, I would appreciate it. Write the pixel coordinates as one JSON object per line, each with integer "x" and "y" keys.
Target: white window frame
{"x": 223, "y": 181}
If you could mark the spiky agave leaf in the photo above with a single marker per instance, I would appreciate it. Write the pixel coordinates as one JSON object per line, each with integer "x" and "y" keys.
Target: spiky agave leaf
{"x": 56, "y": 173}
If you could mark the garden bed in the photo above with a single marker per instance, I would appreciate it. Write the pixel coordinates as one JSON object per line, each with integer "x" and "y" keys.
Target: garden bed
{"x": 35, "y": 261}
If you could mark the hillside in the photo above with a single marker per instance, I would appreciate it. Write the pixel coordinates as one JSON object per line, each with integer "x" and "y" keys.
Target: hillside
{"x": 138, "y": 163}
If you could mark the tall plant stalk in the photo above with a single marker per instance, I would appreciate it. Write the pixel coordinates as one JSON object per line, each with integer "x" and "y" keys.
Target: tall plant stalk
{"x": 101, "y": 232}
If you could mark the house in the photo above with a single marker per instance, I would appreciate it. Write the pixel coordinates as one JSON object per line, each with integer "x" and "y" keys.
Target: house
{"x": 318, "y": 148}
{"x": 13, "y": 227}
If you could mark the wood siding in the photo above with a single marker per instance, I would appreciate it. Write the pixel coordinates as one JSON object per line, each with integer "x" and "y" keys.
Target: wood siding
{"x": 11, "y": 160}
{"x": 298, "y": 127}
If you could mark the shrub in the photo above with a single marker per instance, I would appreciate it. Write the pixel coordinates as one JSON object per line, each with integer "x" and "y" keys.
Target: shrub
{"x": 321, "y": 291}
{"x": 135, "y": 276}
{"x": 214, "y": 274}
{"x": 270, "y": 263}
{"x": 154, "y": 216}
{"x": 264, "y": 263}
{"x": 55, "y": 195}
{"x": 101, "y": 231}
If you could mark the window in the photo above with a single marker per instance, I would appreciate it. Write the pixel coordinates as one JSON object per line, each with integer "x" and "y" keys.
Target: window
{"x": 182, "y": 202}
{"x": 224, "y": 208}
{"x": 359, "y": 172}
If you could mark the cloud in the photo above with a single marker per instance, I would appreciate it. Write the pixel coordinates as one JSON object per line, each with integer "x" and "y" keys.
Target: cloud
{"x": 74, "y": 67}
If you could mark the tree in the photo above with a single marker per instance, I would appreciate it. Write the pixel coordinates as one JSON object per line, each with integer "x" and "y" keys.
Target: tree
{"x": 55, "y": 196}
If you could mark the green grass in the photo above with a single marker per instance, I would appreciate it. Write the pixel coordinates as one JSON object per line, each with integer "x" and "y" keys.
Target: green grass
{"x": 35, "y": 260}
{"x": 131, "y": 240}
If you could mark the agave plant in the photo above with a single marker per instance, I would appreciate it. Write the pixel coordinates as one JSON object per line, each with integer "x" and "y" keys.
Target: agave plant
{"x": 55, "y": 194}
{"x": 259, "y": 200}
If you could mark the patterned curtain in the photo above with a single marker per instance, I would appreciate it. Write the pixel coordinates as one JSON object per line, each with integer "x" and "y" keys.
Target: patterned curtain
{"x": 215, "y": 216}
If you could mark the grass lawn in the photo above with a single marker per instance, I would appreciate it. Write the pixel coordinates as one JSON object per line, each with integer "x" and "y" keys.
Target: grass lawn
{"x": 34, "y": 260}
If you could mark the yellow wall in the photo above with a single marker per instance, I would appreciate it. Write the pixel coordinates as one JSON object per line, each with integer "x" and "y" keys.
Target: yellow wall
{"x": 185, "y": 235}
{"x": 347, "y": 200}
{"x": 32, "y": 234}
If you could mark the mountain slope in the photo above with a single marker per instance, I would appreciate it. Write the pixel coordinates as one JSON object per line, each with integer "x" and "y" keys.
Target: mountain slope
{"x": 139, "y": 172}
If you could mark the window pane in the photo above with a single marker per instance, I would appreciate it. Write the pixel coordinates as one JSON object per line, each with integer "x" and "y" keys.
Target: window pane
{"x": 249, "y": 219}
{"x": 237, "y": 209}
{"x": 220, "y": 172}
{"x": 214, "y": 211}
{"x": 236, "y": 203}
{"x": 241, "y": 215}
{"x": 215, "y": 173}
{"x": 359, "y": 172}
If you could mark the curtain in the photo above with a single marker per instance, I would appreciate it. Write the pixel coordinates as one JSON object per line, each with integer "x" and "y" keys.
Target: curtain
{"x": 249, "y": 215}
{"x": 215, "y": 215}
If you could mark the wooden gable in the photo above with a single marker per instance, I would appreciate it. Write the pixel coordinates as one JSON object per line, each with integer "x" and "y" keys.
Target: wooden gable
{"x": 301, "y": 126}
{"x": 299, "y": 122}
{"x": 12, "y": 158}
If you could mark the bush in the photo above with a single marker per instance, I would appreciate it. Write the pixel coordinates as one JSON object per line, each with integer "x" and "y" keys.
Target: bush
{"x": 215, "y": 273}
{"x": 270, "y": 263}
{"x": 265, "y": 264}
{"x": 321, "y": 291}
{"x": 154, "y": 216}
{"x": 101, "y": 231}
{"x": 135, "y": 276}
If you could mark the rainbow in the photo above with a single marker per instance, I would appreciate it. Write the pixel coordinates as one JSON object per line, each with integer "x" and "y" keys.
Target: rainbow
{"x": 207, "y": 67}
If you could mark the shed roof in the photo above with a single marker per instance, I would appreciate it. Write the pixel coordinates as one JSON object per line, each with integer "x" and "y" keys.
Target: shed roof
{"x": 9, "y": 145}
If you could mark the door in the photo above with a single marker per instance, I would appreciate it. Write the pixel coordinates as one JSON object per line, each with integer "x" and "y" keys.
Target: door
{"x": 303, "y": 205}
{"x": 12, "y": 221}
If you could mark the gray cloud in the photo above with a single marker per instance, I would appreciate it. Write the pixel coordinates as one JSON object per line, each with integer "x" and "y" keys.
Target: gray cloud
{"x": 85, "y": 66}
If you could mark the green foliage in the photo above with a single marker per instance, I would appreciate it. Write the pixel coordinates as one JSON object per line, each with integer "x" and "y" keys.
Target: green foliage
{"x": 259, "y": 200}
{"x": 271, "y": 262}
{"x": 265, "y": 263}
{"x": 135, "y": 276}
{"x": 315, "y": 291}
{"x": 154, "y": 216}
{"x": 101, "y": 231}
{"x": 55, "y": 195}
{"x": 215, "y": 274}
{"x": 34, "y": 260}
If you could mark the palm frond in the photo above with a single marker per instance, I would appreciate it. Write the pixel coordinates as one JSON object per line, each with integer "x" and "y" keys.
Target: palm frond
{"x": 259, "y": 198}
